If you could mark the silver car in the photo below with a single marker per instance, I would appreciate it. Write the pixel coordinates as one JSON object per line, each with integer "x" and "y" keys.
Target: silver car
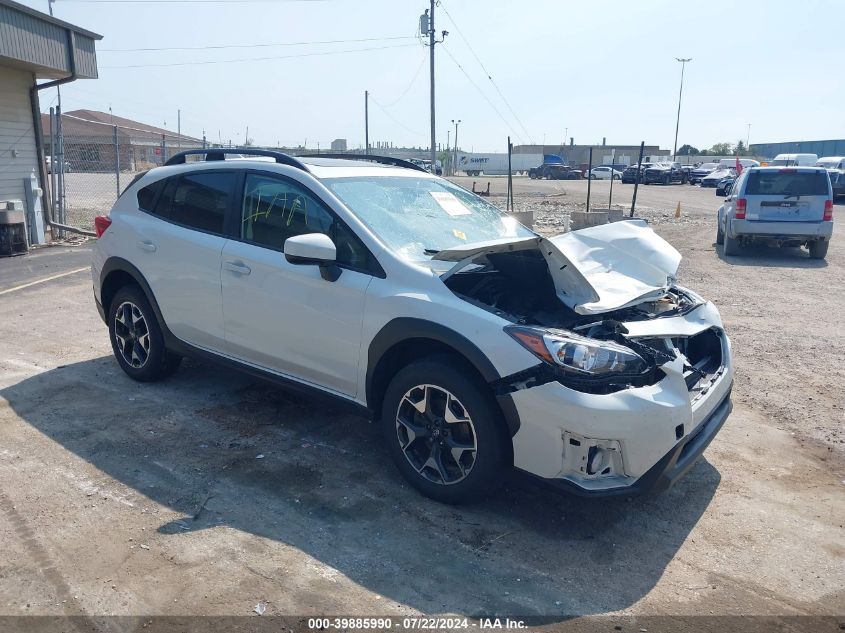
{"x": 790, "y": 206}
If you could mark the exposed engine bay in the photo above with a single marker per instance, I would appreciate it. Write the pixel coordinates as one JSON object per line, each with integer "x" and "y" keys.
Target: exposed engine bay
{"x": 517, "y": 286}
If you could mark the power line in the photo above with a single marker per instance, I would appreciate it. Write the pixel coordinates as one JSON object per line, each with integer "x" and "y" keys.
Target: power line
{"x": 259, "y": 59}
{"x": 222, "y": 46}
{"x": 489, "y": 76}
{"x": 394, "y": 119}
{"x": 410, "y": 84}
{"x": 481, "y": 92}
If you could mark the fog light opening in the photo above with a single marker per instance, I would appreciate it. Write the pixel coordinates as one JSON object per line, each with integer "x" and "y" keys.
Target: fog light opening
{"x": 595, "y": 460}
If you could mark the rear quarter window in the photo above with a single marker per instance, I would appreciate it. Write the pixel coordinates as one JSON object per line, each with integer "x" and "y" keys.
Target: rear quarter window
{"x": 147, "y": 195}
{"x": 782, "y": 183}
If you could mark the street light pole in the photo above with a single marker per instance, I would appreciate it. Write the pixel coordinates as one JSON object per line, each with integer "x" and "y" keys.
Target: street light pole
{"x": 680, "y": 94}
{"x": 455, "y": 159}
{"x": 748, "y": 140}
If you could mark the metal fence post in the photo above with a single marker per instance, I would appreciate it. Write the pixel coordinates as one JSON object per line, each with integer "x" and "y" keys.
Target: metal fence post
{"x": 53, "y": 199}
{"x": 59, "y": 167}
{"x": 637, "y": 181}
{"x": 116, "y": 162}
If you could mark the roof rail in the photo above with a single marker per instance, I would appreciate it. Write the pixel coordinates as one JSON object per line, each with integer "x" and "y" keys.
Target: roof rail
{"x": 219, "y": 153}
{"x": 384, "y": 160}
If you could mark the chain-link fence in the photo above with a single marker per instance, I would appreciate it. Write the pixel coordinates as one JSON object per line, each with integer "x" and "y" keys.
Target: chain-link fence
{"x": 90, "y": 162}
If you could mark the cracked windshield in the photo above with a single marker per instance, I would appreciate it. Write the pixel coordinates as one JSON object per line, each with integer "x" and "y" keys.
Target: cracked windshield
{"x": 417, "y": 217}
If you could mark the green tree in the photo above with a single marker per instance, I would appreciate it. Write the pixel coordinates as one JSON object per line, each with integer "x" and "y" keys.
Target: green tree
{"x": 741, "y": 149}
{"x": 688, "y": 150}
{"x": 721, "y": 149}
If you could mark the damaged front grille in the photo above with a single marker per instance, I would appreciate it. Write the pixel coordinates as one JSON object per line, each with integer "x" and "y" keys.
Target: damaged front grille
{"x": 702, "y": 354}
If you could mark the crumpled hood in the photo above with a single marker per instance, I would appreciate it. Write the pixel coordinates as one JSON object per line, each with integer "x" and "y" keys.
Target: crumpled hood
{"x": 594, "y": 270}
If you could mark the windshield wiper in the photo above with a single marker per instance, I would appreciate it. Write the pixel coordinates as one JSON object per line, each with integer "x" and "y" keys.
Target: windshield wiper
{"x": 431, "y": 251}
{"x": 797, "y": 196}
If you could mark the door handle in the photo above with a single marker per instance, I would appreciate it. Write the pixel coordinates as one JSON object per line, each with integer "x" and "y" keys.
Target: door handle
{"x": 238, "y": 267}
{"x": 147, "y": 245}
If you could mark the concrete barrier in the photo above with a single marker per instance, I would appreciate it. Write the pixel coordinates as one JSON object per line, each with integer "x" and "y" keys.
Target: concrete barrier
{"x": 525, "y": 218}
{"x": 582, "y": 219}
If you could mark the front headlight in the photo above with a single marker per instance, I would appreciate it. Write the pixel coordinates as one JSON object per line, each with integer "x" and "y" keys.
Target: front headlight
{"x": 579, "y": 354}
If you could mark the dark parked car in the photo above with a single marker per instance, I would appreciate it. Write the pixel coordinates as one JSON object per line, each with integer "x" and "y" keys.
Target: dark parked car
{"x": 629, "y": 176}
{"x": 724, "y": 186}
{"x": 664, "y": 174}
{"x": 702, "y": 171}
{"x": 555, "y": 171}
{"x": 837, "y": 182}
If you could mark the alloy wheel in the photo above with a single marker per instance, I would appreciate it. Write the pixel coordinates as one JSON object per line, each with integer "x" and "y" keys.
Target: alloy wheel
{"x": 436, "y": 434}
{"x": 132, "y": 334}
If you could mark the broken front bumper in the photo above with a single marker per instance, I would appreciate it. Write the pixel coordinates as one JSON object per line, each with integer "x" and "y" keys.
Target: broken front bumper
{"x": 671, "y": 467}
{"x": 634, "y": 440}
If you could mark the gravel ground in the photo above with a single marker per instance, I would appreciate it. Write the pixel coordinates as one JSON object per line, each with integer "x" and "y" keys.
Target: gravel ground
{"x": 210, "y": 492}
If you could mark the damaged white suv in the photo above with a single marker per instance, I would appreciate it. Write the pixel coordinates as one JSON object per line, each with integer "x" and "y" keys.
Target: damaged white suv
{"x": 477, "y": 345}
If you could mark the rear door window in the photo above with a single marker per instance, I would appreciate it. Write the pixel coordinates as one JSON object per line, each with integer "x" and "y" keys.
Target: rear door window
{"x": 198, "y": 201}
{"x": 787, "y": 183}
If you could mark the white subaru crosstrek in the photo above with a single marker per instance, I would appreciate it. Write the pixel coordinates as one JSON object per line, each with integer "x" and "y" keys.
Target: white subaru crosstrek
{"x": 478, "y": 345}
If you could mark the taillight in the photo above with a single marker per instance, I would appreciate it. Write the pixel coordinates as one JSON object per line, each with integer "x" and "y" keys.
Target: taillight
{"x": 828, "y": 210}
{"x": 741, "y": 204}
{"x": 101, "y": 223}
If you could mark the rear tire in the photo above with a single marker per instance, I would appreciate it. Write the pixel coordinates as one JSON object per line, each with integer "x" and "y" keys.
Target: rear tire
{"x": 731, "y": 246}
{"x": 818, "y": 249}
{"x": 453, "y": 455}
{"x": 720, "y": 234}
{"x": 136, "y": 337}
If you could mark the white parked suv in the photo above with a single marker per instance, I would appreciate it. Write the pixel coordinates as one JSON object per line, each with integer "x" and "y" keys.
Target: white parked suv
{"x": 782, "y": 206}
{"x": 478, "y": 345}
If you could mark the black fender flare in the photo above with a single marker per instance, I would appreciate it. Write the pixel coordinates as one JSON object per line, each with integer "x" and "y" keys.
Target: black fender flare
{"x": 405, "y": 328}
{"x": 113, "y": 264}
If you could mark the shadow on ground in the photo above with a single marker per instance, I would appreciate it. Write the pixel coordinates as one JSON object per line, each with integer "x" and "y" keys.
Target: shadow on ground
{"x": 325, "y": 486}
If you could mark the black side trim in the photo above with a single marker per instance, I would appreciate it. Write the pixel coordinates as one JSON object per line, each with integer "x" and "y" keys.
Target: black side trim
{"x": 671, "y": 467}
{"x": 186, "y": 349}
{"x": 405, "y": 328}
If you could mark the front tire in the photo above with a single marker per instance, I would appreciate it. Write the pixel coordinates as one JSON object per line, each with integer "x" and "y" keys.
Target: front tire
{"x": 136, "y": 337}
{"x": 444, "y": 431}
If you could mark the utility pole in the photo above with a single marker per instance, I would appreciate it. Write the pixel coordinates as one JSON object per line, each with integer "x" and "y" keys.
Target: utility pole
{"x": 455, "y": 159}
{"x": 427, "y": 28}
{"x": 367, "y": 122}
{"x": 246, "y": 137}
{"x": 431, "y": 65}
{"x": 680, "y": 94}
{"x": 748, "y": 140}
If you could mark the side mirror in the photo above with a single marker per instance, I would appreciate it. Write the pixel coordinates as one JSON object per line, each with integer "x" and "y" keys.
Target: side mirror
{"x": 315, "y": 249}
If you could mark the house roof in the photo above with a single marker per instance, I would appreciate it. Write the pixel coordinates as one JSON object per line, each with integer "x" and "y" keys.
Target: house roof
{"x": 96, "y": 124}
{"x": 39, "y": 43}
{"x": 44, "y": 17}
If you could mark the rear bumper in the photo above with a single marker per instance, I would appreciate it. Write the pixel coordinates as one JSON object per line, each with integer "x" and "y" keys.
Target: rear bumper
{"x": 787, "y": 230}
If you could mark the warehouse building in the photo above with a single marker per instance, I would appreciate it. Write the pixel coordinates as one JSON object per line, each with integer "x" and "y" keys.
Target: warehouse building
{"x": 33, "y": 46}
{"x": 819, "y": 148}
